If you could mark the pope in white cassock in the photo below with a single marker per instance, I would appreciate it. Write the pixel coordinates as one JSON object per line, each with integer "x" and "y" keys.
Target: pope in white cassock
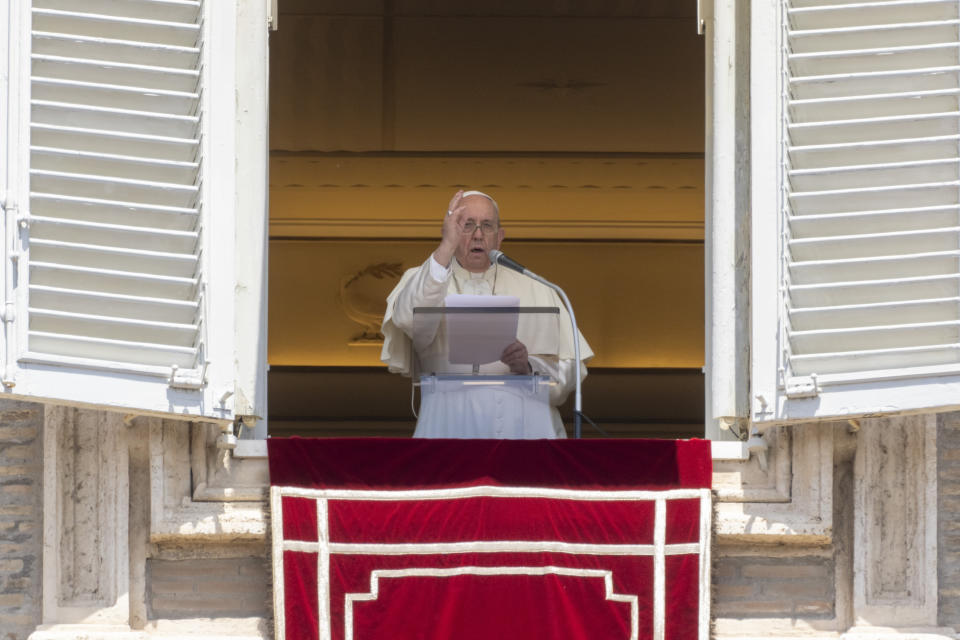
{"x": 460, "y": 265}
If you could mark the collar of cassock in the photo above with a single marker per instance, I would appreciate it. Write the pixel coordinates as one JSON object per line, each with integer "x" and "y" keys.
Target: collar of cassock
{"x": 474, "y": 283}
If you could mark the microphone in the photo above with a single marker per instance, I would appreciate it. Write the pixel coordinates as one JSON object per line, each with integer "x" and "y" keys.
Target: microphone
{"x": 499, "y": 257}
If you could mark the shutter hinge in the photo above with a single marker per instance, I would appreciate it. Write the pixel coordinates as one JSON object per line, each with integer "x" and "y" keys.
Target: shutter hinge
{"x": 189, "y": 379}
{"x": 704, "y": 12}
{"x": 10, "y": 208}
{"x": 22, "y": 220}
{"x": 764, "y": 409}
{"x": 273, "y": 14}
{"x": 805, "y": 387}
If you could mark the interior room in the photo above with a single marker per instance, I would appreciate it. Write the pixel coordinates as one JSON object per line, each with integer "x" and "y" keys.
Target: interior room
{"x": 584, "y": 120}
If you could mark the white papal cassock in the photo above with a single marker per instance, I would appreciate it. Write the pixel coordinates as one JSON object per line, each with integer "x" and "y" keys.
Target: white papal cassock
{"x": 486, "y": 412}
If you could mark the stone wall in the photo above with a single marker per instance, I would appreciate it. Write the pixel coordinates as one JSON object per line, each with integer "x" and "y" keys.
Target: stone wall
{"x": 753, "y": 586}
{"x": 21, "y": 528}
{"x": 829, "y": 510}
{"x": 948, "y": 526}
{"x": 871, "y": 564}
{"x": 208, "y": 588}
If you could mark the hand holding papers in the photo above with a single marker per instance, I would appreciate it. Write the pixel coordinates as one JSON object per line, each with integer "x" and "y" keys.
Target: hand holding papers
{"x": 482, "y": 330}
{"x": 515, "y": 357}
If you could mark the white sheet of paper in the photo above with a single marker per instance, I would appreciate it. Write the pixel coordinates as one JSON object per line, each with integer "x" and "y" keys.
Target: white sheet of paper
{"x": 480, "y": 338}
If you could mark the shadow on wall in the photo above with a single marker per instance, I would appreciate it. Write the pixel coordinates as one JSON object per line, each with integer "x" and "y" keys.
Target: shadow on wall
{"x": 369, "y": 401}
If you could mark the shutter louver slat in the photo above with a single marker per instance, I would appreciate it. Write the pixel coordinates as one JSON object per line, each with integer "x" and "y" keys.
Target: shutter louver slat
{"x": 883, "y": 313}
{"x": 899, "y": 150}
{"x": 878, "y": 103}
{"x": 117, "y": 26}
{"x": 107, "y": 257}
{"x": 799, "y": 4}
{"x": 916, "y": 265}
{"x": 93, "y": 48}
{"x": 111, "y": 327}
{"x": 118, "y": 142}
{"x": 113, "y": 304}
{"x": 134, "y": 75}
{"x": 84, "y": 350}
{"x": 866, "y": 83}
{"x": 153, "y": 238}
{"x": 98, "y": 186}
{"x": 124, "y": 120}
{"x": 872, "y": 245}
{"x": 849, "y": 200}
{"x": 871, "y": 209}
{"x": 115, "y": 185}
{"x": 118, "y": 96}
{"x": 73, "y": 161}
{"x": 880, "y": 221}
{"x": 872, "y": 129}
{"x": 872, "y": 291}
{"x": 113, "y": 211}
{"x": 183, "y": 10}
{"x": 833, "y": 15}
{"x": 866, "y": 337}
{"x": 112, "y": 281}
{"x": 842, "y": 362}
{"x": 907, "y": 172}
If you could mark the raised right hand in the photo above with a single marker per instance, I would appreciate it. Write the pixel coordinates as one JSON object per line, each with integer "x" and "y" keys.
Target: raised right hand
{"x": 451, "y": 230}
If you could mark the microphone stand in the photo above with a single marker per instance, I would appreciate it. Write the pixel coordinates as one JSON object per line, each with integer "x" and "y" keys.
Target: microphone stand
{"x": 500, "y": 258}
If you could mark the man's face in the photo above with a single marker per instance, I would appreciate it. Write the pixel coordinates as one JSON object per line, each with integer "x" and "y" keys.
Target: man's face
{"x": 472, "y": 250}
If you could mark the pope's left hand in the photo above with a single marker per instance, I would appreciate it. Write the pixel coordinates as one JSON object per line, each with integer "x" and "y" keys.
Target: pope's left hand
{"x": 515, "y": 357}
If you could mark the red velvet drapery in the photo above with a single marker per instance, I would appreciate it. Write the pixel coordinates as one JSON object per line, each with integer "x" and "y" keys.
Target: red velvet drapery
{"x": 430, "y": 539}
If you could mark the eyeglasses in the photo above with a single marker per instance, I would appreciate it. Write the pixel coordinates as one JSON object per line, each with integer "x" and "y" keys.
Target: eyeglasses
{"x": 486, "y": 228}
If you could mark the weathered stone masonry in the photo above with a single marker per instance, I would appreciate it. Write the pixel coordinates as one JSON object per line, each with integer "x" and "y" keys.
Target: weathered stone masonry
{"x": 21, "y": 541}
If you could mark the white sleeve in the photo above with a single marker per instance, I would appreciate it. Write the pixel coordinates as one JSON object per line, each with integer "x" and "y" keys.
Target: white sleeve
{"x": 427, "y": 288}
{"x": 439, "y": 272}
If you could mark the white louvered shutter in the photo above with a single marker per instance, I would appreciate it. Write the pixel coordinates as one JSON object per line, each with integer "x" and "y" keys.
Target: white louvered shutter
{"x": 124, "y": 245}
{"x": 115, "y": 184}
{"x": 857, "y": 236}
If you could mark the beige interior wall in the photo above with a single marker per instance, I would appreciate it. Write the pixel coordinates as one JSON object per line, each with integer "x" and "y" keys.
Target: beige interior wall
{"x": 442, "y": 83}
{"x": 545, "y": 197}
{"x": 638, "y": 304}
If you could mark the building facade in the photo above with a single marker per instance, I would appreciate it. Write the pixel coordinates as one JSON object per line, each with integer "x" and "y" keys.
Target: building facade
{"x": 134, "y": 191}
